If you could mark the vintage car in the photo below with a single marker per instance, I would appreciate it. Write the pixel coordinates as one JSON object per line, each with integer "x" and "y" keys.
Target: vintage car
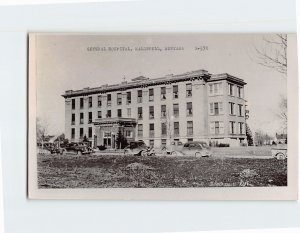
{"x": 175, "y": 146}
{"x": 196, "y": 148}
{"x": 138, "y": 148}
{"x": 56, "y": 150}
{"x": 77, "y": 148}
{"x": 280, "y": 151}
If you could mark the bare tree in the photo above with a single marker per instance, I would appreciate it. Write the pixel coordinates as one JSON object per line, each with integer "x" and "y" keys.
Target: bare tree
{"x": 281, "y": 113}
{"x": 41, "y": 131}
{"x": 273, "y": 53}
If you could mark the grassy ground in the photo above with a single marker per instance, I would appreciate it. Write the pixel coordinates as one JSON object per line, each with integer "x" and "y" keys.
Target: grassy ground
{"x": 111, "y": 171}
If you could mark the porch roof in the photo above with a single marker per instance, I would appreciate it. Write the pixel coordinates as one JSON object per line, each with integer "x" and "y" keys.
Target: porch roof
{"x": 114, "y": 120}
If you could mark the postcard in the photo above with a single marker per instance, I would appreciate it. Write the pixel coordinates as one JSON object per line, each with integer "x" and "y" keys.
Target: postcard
{"x": 178, "y": 116}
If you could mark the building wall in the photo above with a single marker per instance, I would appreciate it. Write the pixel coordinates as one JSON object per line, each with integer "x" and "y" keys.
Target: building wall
{"x": 201, "y": 118}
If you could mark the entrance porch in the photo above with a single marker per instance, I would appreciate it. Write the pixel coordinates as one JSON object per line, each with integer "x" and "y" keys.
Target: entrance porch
{"x": 114, "y": 132}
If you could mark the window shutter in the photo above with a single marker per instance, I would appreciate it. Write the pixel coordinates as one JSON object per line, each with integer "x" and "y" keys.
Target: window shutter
{"x": 221, "y": 107}
{"x": 221, "y": 125}
{"x": 221, "y": 88}
{"x": 211, "y": 108}
{"x": 212, "y": 128}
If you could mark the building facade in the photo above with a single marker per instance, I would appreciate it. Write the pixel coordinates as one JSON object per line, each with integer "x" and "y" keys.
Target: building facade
{"x": 187, "y": 107}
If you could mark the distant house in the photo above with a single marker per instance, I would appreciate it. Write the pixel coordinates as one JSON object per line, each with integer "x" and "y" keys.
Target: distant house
{"x": 281, "y": 138}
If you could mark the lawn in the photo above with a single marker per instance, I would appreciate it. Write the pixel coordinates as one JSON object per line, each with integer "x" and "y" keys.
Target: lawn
{"x": 116, "y": 171}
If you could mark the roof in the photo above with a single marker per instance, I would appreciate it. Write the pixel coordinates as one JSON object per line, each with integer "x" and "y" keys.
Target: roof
{"x": 141, "y": 81}
{"x": 228, "y": 77}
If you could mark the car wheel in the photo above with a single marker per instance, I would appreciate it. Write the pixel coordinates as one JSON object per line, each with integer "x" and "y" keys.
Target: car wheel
{"x": 143, "y": 153}
{"x": 174, "y": 153}
{"x": 280, "y": 156}
{"x": 198, "y": 154}
{"x": 79, "y": 152}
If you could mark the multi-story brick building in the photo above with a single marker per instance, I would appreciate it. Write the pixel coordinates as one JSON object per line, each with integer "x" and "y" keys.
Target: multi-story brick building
{"x": 191, "y": 106}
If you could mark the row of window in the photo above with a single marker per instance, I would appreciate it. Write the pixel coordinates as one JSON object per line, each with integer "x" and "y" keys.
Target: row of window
{"x": 81, "y": 133}
{"x": 217, "y": 127}
{"x": 139, "y": 96}
{"x": 189, "y": 112}
{"x": 166, "y": 129}
{"x": 233, "y": 90}
{"x": 216, "y": 108}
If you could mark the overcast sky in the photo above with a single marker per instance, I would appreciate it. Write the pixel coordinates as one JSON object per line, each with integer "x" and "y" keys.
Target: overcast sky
{"x": 64, "y": 63}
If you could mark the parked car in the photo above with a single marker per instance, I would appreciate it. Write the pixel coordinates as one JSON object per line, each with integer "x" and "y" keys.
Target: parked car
{"x": 279, "y": 151}
{"x": 77, "y": 148}
{"x": 138, "y": 148}
{"x": 196, "y": 148}
{"x": 175, "y": 146}
{"x": 56, "y": 150}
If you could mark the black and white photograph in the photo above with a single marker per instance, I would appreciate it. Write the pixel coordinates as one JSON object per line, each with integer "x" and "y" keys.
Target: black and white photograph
{"x": 190, "y": 113}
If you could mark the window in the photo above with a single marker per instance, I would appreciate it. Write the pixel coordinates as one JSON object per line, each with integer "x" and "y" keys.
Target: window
{"x": 217, "y": 127}
{"x": 128, "y": 134}
{"x": 140, "y": 112}
{"x": 151, "y": 112}
{"x": 163, "y": 143}
{"x": 163, "y": 129}
{"x": 73, "y": 103}
{"x": 108, "y": 99}
{"x": 107, "y": 139}
{"x": 99, "y": 100}
{"x": 90, "y": 117}
{"x": 99, "y": 114}
{"x": 108, "y": 114}
{"x": 176, "y": 128}
{"x": 231, "y": 127}
{"x": 72, "y": 133}
{"x": 81, "y": 102}
{"x": 176, "y": 110}
{"x": 73, "y": 119}
{"x": 241, "y": 128}
{"x": 189, "y": 109}
{"x": 119, "y": 113}
{"x": 81, "y": 133}
{"x": 163, "y": 92}
{"x": 151, "y": 130}
{"x": 81, "y": 118}
{"x": 140, "y": 96}
{"x": 231, "y": 108}
{"x": 163, "y": 111}
{"x": 230, "y": 89}
{"x": 119, "y": 98}
{"x": 175, "y": 92}
{"x": 240, "y": 92}
{"x": 151, "y": 94}
{"x": 90, "y": 101}
{"x": 189, "y": 128}
{"x": 128, "y": 112}
{"x": 190, "y": 140}
{"x": 140, "y": 130}
{"x": 128, "y": 97}
{"x": 90, "y": 134}
{"x": 188, "y": 90}
{"x": 215, "y": 89}
{"x": 151, "y": 142}
{"x": 216, "y": 108}
{"x": 240, "y": 108}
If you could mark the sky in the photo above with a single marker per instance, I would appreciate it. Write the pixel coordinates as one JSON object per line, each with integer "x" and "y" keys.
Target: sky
{"x": 64, "y": 62}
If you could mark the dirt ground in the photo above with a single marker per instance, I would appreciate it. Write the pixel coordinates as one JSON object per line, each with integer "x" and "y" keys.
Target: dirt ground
{"x": 117, "y": 171}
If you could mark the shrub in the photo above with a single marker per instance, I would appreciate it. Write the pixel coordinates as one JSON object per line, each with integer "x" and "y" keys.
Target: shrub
{"x": 102, "y": 147}
{"x": 223, "y": 145}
